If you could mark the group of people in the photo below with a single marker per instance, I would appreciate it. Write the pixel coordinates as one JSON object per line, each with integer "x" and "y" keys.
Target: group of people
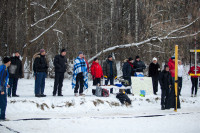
{"x": 12, "y": 70}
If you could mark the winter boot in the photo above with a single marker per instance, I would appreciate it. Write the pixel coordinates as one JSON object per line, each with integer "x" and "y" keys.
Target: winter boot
{"x": 81, "y": 94}
{"x": 76, "y": 94}
{"x": 42, "y": 95}
{"x": 37, "y": 95}
{"x": 162, "y": 107}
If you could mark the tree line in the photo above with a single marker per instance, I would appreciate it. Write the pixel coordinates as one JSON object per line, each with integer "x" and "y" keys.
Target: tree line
{"x": 123, "y": 28}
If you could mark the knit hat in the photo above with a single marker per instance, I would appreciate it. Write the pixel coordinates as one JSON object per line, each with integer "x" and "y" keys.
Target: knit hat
{"x": 80, "y": 52}
{"x": 6, "y": 60}
{"x": 173, "y": 57}
{"x": 155, "y": 59}
{"x": 95, "y": 59}
{"x": 137, "y": 57}
{"x": 130, "y": 59}
{"x": 109, "y": 56}
{"x": 63, "y": 50}
{"x": 165, "y": 66}
{"x": 42, "y": 50}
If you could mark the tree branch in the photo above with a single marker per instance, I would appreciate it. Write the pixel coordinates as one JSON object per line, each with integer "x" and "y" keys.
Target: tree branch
{"x": 149, "y": 41}
{"x": 45, "y": 31}
{"x": 45, "y": 18}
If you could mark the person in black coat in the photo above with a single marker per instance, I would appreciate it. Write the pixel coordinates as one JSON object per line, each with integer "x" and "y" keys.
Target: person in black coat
{"x": 154, "y": 70}
{"x": 127, "y": 69}
{"x": 15, "y": 72}
{"x": 166, "y": 83}
{"x": 40, "y": 68}
{"x": 60, "y": 64}
{"x": 138, "y": 65}
{"x": 110, "y": 71}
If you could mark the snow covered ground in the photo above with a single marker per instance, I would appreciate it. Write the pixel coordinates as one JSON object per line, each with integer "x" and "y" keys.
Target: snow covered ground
{"x": 96, "y": 114}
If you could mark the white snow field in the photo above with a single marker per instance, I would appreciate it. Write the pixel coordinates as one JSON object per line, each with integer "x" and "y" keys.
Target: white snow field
{"x": 91, "y": 114}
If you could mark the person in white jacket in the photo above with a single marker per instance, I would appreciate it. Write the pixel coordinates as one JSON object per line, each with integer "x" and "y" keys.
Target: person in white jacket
{"x": 180, "y": 76}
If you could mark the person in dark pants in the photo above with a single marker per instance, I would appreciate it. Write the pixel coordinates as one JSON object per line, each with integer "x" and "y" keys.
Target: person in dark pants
{"x": 40, "y": 68}
{"x": 96, "y": 72}
{"x": 138, "y": 65}
{"x": 4, "y": 75}
{"x": 180, "y": 76}
{"x": 15, "y": 72}
{"x": 109, "y": 71}
{"x": 60, "y": 62}
{"x": 194, "y": 79}
{"x": 165, "y": 80}
{"x": 80, "y": 75}
{"x": 154, "y": 70}
{"x": 127, "y": 69}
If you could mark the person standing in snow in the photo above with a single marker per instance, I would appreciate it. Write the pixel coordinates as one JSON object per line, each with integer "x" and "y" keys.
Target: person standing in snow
{"x": 138, "y": 65}
{"x": 154, "y": 70}
{"x": 4, "y": 75}
{"x": 96, "y": 72}
{"x": 60, "y": 64}
{"x": 127, "y": 70}
{"x": 171, "y": 65}
{"x": 40, "y": 68}
{"x": 180, "y": 76}
{"x": 194, "y": 79}
{"x": 165, "y": 80}
{"x": 15, "y": 72}
{"x": 80, "y": 75}
{"x": 110, "y": 71}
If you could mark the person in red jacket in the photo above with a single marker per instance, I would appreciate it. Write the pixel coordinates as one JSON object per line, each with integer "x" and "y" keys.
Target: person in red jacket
{"x": 171, "y": 65}
{"x": 194, "y": 79}
{"x": 96, "y": 71}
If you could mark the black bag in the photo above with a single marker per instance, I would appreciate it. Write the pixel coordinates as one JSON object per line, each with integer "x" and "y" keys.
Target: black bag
{"x": 123, "y": 98}
{"x": 105, "y": 93}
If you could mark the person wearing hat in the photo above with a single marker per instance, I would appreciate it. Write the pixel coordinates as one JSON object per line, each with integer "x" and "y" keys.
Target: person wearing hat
{"x": 4, "y": 75}
{"x": 96, "y": 72}
{"x": 166, "y": 83}
{"x": 154, "y": 70}
{"x": 171, "y": 65}
{"x": 127, "y": 70}
{"x": 139, "y": 65}
{"x": 80, "y": 75}
{"x": 60, "y": 64}
{"x": 15, "y": 72}
{"x": 40, "y": 68}
{"x": 110, "y": 71}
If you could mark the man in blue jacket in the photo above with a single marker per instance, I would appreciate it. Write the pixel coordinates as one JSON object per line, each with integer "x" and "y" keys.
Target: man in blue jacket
{"x": 4, "y": 75}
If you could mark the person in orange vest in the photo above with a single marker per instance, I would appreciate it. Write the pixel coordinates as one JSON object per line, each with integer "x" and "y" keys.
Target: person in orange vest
{"x": 194, "y": 79}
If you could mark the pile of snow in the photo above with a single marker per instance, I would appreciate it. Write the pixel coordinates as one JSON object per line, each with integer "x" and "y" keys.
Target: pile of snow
{"x": 97, "y": 114}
